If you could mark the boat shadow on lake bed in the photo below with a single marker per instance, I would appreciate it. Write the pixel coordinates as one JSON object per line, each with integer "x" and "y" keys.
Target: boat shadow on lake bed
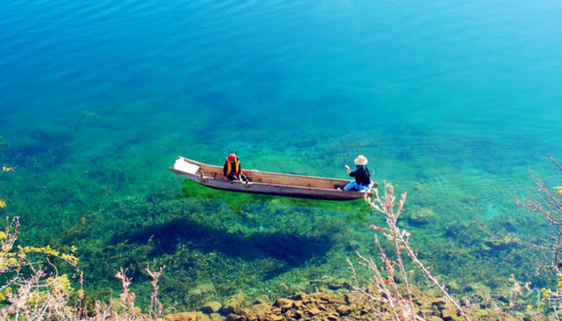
{"x": 293, "y": 249}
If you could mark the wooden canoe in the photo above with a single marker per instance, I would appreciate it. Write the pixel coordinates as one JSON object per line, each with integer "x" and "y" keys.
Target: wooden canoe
{"x": 268, "y": 183}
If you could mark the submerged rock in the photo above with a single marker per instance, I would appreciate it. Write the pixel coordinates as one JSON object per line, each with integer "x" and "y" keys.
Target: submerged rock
{"x": 187, "y": 316}
{"x": 331, "y": 306}
{"x": 344, "y": 309}
{"x": 350, "y": 306}
{"x": 423, "y": 216}
{"x": 234, "y": 303}
{"x": 211, "y": 307}
{"x": 203, "y": 290}
{"x": 216, "y": 317}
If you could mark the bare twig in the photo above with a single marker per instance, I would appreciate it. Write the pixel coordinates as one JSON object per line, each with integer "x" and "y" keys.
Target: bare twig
{"x": 388, "y": 205}
{"x": 548, "y": 203}
{"x": 34, "y": 289}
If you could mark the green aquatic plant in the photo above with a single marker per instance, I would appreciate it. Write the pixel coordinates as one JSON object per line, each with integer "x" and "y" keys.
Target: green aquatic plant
{"x": 5, "y": 169}
{"x": 239, "y": 201}
{"x": 3, "y": 143}
{"x": 236, "y": 201}
{"x": 360, "y": 218}
{"x": 255, "y": 250}
{"x": 83, "y": 228}
{"x": 86, "y": 116}
{"x": 422, "y": 216}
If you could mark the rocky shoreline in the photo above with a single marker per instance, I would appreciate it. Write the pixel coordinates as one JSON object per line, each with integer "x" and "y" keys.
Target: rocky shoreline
{"x": 331, "y": 306}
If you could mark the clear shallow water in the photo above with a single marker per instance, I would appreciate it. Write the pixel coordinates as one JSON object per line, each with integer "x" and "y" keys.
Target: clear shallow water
{"x": 451, "y": 101}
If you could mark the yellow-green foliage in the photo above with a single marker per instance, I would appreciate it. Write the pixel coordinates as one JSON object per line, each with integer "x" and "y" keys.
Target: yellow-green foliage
{"x": 12, "y": 259}
{"x": 2, "y": 204}
{"x": 4, "y": 293}
{"x": 61, "y": 284}
{"x": 31, "y": 291}
{"x": 60, "y": 289}
{"x": 8, "y": 261}
{"x": 546, "y": 294}
{"x": 47, "y": 250}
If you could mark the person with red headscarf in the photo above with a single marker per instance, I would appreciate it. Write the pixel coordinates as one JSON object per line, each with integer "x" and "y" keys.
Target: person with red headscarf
{"x": 232, "y": 169}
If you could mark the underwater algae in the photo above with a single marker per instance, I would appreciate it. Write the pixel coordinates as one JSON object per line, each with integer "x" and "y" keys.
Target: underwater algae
{"x": 217, "y": 243}
{"x": 205, "y": 241}
{"x": 274, "y": 249}
{"x": 261, "y": 245}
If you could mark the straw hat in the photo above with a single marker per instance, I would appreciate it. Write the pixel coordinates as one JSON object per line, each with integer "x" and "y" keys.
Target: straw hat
{"x": 361, "y": 160}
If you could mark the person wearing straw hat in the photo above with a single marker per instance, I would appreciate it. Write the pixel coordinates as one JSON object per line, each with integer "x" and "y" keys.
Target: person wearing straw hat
{"x": 362, "y": 182}
{"x": 232, "y": 169}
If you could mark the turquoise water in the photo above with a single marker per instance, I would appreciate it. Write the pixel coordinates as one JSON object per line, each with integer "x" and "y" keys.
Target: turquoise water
{"x": 450, "y": 101}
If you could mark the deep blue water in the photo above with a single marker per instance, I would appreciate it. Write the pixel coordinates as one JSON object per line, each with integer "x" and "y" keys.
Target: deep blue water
{"x": 456, "y": 98}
